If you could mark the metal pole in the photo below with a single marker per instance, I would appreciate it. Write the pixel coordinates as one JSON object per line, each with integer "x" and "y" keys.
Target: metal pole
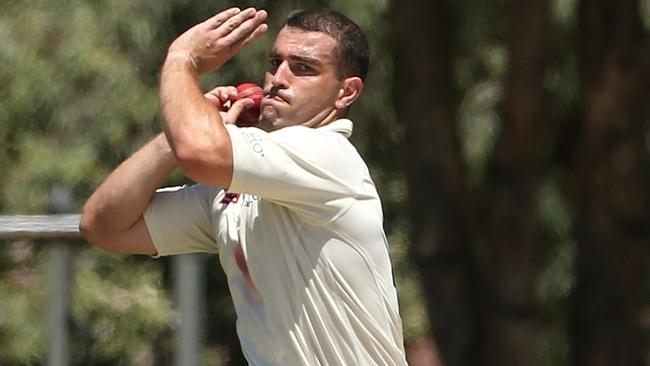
{"x": 58, "y": 273}
{"x": 189, "y": 286}
{"x": 61, "y": 226}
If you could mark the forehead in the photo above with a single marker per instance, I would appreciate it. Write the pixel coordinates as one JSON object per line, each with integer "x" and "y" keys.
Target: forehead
{"x": 301, "y": 43}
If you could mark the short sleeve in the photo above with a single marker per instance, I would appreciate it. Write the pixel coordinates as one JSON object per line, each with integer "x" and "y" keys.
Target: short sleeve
{"x": 179, "y": 220}
{"x": 314, "y": 172}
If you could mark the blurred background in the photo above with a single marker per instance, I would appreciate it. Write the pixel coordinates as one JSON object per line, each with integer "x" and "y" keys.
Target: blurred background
{"x": 509, "y": 141}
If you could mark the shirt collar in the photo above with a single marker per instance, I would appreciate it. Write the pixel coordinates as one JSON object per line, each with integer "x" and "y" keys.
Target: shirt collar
{"x": 342, "y": 126}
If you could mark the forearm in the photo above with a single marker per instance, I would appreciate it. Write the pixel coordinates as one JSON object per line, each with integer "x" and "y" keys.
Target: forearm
{"x": 194, "y": 128}
{"x": 188, "y": 118}
{"x": 123, "y": 197}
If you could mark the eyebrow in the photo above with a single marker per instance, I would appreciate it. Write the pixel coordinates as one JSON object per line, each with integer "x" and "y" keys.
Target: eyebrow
{"x": 305, "y": 59}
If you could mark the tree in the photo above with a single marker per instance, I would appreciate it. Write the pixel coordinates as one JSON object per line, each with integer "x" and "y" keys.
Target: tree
{"x": 610, "y": 173}
{"x": 515, "y": 172}
{"x": 494, "y": 237}
{"x": 424, "y": 100}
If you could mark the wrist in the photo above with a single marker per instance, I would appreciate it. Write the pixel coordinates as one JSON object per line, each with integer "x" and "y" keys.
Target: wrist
{"x": 164, "y": 150}
{"x": 181, "y": 59}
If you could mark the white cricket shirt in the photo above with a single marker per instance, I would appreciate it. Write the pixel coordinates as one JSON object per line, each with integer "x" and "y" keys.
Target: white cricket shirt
{"x": 303, "y": 247}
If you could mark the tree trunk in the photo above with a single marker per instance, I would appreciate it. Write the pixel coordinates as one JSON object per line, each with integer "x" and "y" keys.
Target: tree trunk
{"x": 611, "y": 179}
{"x": 440, "y": 236}
{"x": 510, "y": 305}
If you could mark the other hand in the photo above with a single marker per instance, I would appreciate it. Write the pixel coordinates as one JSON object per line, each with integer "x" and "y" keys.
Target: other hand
{"x": 210, "y": 44}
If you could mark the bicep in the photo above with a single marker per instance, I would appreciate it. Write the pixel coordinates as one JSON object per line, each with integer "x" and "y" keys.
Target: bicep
{"x": 136, "y": 240}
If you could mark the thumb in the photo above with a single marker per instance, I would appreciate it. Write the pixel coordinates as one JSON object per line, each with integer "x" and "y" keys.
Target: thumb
{"x": 213, "y": 100}
{"x": 237, "y": 108}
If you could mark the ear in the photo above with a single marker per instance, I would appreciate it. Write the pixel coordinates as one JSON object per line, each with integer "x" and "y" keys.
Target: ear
{"x": 351, "y": 88}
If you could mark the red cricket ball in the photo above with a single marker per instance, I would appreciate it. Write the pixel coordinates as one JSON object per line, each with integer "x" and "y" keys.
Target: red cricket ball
{"x": 250, "y": 116}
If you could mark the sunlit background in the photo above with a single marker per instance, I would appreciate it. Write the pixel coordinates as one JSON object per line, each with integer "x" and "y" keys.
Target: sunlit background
{"x": 79, "y": 94}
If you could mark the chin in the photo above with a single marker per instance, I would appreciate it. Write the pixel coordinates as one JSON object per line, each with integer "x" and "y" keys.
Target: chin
{"x": 270, "y": 121}
{"x": 268, "y": 124}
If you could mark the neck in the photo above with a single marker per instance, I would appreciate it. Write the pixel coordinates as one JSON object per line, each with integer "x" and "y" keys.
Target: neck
{"x": 322, "y": 119}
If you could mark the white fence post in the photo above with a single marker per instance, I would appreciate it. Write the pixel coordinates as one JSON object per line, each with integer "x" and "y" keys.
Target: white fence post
{"x": 58, "y": 303}
{"x": 59, "y": 273}
{"x": 189, "y": 291}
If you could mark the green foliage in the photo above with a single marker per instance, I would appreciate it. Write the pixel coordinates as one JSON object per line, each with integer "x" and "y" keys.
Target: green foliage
{"x": 76, "y": 97}
{"x": 121, "y": 306}
{"x": 24, "y": 292}
{"x": 79, "y": 95}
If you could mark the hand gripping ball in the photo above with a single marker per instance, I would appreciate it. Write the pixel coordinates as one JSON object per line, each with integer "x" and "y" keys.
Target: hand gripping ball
{"x": 250, "y": 116}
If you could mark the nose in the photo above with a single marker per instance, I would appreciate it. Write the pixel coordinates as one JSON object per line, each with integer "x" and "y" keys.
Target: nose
{"x": 280, "y": 78}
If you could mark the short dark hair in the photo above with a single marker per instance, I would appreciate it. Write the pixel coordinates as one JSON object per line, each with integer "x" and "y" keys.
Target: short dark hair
{"x": 353, "y": 52}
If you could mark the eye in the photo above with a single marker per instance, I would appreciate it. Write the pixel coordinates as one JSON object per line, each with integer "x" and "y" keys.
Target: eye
{"x": 274, "y": 63}
{"x": 302, "y": 69}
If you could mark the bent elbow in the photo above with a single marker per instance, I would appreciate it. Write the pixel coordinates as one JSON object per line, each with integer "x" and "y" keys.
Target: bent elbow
{"x": 91, "y": 230}
{"x": 87, "y": 226}
{"x": 192, "y": 156}
{"x": 187, "y": 155}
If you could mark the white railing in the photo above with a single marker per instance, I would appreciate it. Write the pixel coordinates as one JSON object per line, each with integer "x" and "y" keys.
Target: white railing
{"x": 62, "y": 228}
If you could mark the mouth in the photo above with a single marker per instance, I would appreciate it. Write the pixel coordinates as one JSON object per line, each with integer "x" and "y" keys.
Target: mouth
{"x": 276, "y": 95}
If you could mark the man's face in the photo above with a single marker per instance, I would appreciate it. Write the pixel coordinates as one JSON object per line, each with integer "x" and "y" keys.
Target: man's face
{"x": 301, "y": 84}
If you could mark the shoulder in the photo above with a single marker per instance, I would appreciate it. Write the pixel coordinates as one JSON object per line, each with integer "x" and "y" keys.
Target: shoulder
{"x": 327, "y": 148}
{"x": 331, "y": 140}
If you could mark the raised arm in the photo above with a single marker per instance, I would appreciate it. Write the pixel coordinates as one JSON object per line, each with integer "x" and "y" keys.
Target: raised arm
{"x": 194, "y": 128}
{"x": 112, "y": 217}
{"x": 196, "y": 139}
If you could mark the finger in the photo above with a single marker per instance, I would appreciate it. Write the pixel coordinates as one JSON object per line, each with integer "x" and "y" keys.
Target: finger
{"x": 261, "y": 29}
{"x": 212, "y": 99}
{"x": 221, "y": 96}
{"x": 224, "y": 92}
{"x": 221, "y": 17}
{"x": 234, "y": 22}
{"x": 237, "y": 108}
{"x": 227, "y": 93}
{"x": 245, "y": 32}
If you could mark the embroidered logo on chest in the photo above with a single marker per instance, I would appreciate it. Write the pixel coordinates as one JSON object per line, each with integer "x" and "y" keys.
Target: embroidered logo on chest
{"x": 229, "y": 198}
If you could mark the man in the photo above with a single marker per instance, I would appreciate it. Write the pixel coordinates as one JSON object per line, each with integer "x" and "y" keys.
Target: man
{"x": 290, "y": 207}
